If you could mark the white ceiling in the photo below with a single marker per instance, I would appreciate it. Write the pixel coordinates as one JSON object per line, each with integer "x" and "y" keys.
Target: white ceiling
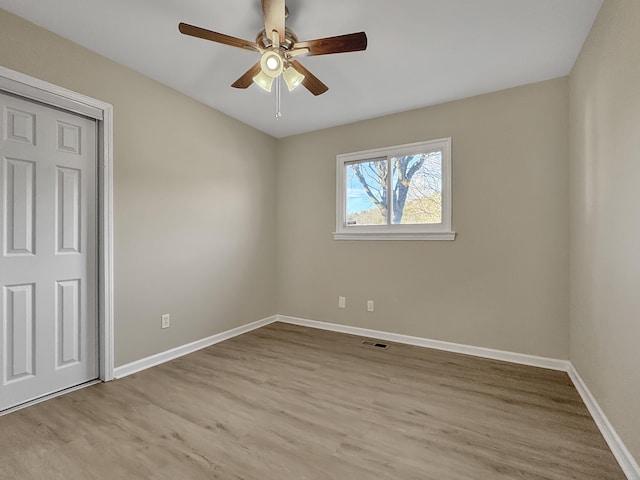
{"x": 421, "y": 52}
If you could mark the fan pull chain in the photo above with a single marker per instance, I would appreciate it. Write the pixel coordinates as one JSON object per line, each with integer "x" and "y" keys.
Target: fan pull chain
{"x": 278, "y": 112}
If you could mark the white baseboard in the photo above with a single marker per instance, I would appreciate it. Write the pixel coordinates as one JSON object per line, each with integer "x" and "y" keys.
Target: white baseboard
{"x": 158, "y": 358}
{"x": 531, "y": 360}
{"x": 625, "y": 459}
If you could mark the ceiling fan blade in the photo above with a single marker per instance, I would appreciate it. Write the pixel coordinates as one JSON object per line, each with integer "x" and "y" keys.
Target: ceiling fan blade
{"x": 247, "y": 79}
{"x": 351, "y": 42}
{"x": 274, "y": 15}
{"x": 193, "y": 31}
{"x": 311, "y": 82}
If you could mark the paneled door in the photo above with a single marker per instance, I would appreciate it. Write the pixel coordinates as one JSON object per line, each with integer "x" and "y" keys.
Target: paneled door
{"x": 48, "y": 248}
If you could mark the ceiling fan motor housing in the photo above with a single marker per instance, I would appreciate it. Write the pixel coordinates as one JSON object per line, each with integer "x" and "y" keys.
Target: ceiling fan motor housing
{"x": 290, "y": 38}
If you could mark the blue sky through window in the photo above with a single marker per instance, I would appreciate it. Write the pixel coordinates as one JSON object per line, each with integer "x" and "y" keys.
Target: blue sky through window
{"x": 357, "y": 198}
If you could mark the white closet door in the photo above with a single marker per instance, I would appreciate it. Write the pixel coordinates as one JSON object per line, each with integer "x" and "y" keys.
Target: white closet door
{"x": 48, "y": 248}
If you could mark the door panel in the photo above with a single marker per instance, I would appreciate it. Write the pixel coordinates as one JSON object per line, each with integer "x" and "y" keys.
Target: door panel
{"x": 20, "y": 126}
{"x": 48, "y": 306}
{"x": 68, "y": 323}
{"x": 19, "y": 211}
{"x": 19, "y": 341}
{"x": 68, "y": 211}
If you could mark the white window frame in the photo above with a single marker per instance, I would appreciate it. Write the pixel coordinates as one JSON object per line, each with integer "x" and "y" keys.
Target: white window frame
{"x": 440, "y": 231}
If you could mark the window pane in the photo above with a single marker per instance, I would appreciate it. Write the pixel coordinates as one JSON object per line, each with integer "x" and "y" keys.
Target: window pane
{"x": 366, "y": 192}
{"x": 417, "y": 188}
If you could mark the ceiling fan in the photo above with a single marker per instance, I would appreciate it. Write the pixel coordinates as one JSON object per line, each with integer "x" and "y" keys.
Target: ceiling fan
{"x": 278, "y": 47}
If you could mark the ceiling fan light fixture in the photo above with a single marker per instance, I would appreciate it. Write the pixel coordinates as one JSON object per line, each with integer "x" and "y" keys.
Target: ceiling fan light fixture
{"x": 263, "y": 81}
{"x": 271, "y": 63}
{"x": 292, "y": 77}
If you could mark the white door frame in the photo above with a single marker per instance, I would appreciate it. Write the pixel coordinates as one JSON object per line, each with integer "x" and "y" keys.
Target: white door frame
{"x": 47, "y": 93}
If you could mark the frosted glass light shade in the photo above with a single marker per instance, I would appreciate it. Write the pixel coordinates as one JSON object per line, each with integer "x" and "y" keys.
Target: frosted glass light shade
{"x": 263, "y": 81}
{"x": 271, "y": 63}
{"x": 292, "y": 77}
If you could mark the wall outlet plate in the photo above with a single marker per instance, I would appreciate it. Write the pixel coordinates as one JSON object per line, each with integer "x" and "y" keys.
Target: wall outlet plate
{"x": 166, "y": 320}
{"x": 342, "y": 302}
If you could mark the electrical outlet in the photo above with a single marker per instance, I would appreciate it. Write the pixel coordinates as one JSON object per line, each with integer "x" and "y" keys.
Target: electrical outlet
{"x": 166, "y": 320}
{"x": 369, "y": 305}
{"x": 342, "y": 302}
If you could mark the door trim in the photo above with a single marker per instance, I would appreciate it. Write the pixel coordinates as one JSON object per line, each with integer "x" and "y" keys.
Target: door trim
{"x": 53, "y": 95}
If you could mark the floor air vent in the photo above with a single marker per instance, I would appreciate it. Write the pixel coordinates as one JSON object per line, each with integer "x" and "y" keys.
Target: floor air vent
{"x": 375, "y": 344}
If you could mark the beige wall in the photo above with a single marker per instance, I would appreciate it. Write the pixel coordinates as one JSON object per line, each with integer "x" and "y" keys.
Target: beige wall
{"x": 194, "y": 198}
{"x": 503, "y": 283}
{"x": 605, "y": 216}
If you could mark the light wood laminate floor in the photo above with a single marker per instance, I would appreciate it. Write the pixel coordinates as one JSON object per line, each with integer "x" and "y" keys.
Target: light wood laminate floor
{"x": 292, "y": 403}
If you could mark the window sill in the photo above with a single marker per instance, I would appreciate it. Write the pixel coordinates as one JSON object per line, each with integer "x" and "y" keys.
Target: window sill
{"x": 394, "y": 236}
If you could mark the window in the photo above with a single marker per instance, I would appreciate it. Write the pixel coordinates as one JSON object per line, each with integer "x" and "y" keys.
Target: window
{"x": 395, "y": 193}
